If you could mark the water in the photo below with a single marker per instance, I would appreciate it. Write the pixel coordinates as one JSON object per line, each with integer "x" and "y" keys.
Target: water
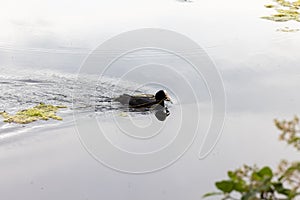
{"x": 25, "y": 89}
{"x": 87, "y": 96}
{"x": 259, "y": 67}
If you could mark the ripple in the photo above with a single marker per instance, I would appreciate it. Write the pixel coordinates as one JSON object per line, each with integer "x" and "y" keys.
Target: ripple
{"x": 23, "y": 91}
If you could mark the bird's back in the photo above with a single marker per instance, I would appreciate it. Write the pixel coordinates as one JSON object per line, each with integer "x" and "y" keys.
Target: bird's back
{"x": 142, "y": 100}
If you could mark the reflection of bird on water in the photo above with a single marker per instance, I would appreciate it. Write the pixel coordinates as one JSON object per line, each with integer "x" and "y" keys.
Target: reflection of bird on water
{"x": 161, "y": 114}
{"x": 146, "y": 101}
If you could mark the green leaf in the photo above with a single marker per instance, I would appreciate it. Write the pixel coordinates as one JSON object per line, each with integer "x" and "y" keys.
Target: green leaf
{"x": 290, "y": 171}
{"x": 240, "y": 186}
{"x": 255, "y": 176}
{"x": 211, "y": 194}
{"x": 265, "y": 172}
{"x": 248, "y": 195}
{"x": 232, "y": 175}
{"x": 281, "y": 190}
{"x": 225, "y": 186}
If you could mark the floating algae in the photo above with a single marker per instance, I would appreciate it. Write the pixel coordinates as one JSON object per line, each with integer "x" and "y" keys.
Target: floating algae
{"x": 288, "y": 30}
{"x": 269, "y": 6}
{"x": 285, "y": 11}
{"x": 39, "y": 112}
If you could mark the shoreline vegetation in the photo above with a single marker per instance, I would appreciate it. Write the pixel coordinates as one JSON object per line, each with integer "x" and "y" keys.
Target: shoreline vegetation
{"x": 254, "y": 183}
{"x": 39, "y": 112}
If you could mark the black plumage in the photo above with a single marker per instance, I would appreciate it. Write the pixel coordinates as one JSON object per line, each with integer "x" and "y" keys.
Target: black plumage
{"x": 144, "y": 100}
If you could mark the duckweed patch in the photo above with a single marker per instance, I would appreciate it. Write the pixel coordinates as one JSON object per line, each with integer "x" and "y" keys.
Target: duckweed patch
{"x": 39, "y": 112}
{"x": 284, "y": 11}
{"x": 269, "y": 6}
{"x": 288, "y": 30}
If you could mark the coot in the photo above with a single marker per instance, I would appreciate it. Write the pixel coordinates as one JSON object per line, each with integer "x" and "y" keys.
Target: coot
{"x": 144, "y": 100}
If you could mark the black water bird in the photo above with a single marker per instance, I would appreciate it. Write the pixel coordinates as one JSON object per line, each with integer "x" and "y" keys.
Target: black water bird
{"x": 144, "y": 100}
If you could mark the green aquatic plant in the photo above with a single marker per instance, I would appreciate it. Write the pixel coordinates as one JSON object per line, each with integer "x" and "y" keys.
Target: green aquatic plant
{"x": 38, "y": 112}
{"x": 254, "y": 183}
{"x": 288, "y": 30}
{"x": 284, "y": 11}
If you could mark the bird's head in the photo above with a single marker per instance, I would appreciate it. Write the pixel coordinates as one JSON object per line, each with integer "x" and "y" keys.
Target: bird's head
{"x": 162, "y": 95}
